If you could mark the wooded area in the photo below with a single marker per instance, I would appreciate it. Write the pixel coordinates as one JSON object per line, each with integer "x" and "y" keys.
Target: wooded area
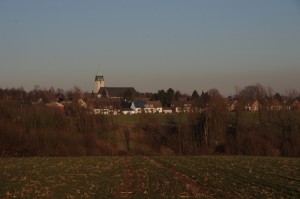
{"x": 35, "y": 129}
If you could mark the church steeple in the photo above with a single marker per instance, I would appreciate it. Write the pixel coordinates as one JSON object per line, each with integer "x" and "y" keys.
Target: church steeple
{"x": 99, "y": 81}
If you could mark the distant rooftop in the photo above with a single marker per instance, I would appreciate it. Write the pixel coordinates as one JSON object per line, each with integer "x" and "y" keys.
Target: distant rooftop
{"x": 112, "y": 92}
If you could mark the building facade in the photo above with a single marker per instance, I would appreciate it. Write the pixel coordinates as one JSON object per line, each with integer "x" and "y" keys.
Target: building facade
{"x": 99, "y": 81}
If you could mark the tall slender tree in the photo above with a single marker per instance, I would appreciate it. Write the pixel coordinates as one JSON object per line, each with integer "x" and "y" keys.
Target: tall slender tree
{"x": 195, "y": 95}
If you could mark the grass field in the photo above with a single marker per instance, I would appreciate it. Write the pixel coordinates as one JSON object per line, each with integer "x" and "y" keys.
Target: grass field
{"x": 172, "y": 119}
{"x": 169, "y": 119}
{"x": 150, "y": 177}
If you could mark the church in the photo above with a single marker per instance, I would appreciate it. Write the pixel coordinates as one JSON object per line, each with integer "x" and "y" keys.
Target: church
{"x": 109, "y": 92}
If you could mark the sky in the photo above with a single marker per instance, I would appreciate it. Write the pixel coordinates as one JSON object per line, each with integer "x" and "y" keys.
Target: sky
{"x": 150, "y": 44}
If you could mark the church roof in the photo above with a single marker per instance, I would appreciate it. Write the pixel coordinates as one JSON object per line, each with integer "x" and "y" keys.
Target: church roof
{"x": 112, "y": 92}
{"x": 105, "y": 103}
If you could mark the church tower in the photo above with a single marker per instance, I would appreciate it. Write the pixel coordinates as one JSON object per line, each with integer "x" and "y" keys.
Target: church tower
{"x": 99, "y": 81}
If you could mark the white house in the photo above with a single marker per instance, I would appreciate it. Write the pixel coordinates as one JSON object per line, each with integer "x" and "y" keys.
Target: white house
{"x": 106, "y": 106}
{"x": 167, "y": 110}
{"x": 82, "y": 103}
{"x": 128, "y": 111}
{"x": 185, "y": 107}
{"x": 138, "y": 106}
{"x": 153, "y": 107}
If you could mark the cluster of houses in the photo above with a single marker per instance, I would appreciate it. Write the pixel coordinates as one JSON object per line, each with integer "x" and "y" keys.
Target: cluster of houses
{"x": 108, "y": 106}
{"x": 112, "y": 101}
{"x": 115, "y": 106}
{"x": 109, "y": 101}
{"x": 272, "y": 105}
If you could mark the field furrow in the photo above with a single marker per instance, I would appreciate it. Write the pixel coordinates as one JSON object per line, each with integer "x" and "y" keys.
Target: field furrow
{"x": 238, "y": 175}
{"x": 150, "y": 177}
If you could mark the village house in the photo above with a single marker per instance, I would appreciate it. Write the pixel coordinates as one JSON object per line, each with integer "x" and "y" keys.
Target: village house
{"x": 184, "y": 107}
{"x": 82, "y": 103}
{"x": 275, "y": 105}
{"x": 296, "y": 105}
{"x": 167, "y": 110}
{"x": 140, "y": 106}
{"x": 282, "y": 104}
{"x": 106, "y": 106}
{"x": 232, "y": 105}
{"x": 128, "y": 111}
{"x": 153, "y": 107}
{"x": 252, "y": 106}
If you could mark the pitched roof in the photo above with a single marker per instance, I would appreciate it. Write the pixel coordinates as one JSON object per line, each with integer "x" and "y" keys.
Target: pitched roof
{"x": 139, "y": 103}
{"x": 114, "y": 91}
{"x": 275, "y": 103}
{"x": 105, "y": 103}
{"x": 252, "y": 102}
{"x": 182, "y": 103}
{"x": 232, "y": 102}
{"x": 99, "y": 73}
{"x": 153, "y": 104}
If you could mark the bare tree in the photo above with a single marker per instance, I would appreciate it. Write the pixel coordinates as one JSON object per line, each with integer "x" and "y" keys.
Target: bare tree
{"x": 251, "y": 93}
{"x": 212, "y": 121}
{"x": 292, "y": 95}
{"x": 74, "y": 94}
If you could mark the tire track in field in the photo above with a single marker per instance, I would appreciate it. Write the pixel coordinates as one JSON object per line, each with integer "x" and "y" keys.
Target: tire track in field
{"x": 193, "y": 188}
{"x": 131, "y": 184}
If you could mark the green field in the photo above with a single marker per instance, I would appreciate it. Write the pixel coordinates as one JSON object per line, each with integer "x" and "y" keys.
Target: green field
{"x": 168, "y": 119}
{"x": 150, "y": 177}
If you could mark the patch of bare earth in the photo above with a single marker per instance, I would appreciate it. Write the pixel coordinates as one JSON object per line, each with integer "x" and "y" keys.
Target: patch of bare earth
{"x": 132, "y": 183}
{"x": 193, "y": 187}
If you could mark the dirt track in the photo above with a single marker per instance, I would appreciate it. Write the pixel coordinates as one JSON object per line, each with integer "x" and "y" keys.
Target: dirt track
{"x": 134, "y": 181}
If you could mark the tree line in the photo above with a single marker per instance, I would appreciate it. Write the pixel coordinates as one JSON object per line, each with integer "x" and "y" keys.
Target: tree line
{"x": 34, "y": 129}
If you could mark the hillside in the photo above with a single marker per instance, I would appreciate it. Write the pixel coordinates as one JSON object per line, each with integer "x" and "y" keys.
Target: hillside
{"x": 40, "y": 130}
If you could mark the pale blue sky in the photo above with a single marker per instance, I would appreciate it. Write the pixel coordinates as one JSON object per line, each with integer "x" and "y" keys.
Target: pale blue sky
{"x": 151, "y": 45}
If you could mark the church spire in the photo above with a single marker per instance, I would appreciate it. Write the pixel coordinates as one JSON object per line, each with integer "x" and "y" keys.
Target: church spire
{"x": 99, "y": 81}
{"x": 99, "y": 73}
